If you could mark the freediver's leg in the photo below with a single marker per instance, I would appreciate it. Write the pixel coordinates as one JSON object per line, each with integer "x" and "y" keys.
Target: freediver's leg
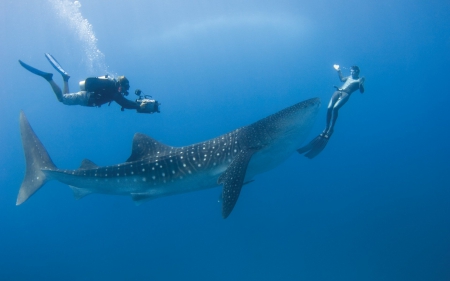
{"x": 334, "y": 99}
{"x": 329, "y": 115}
{"x": 318, "y": 144}
{"x": 335, "y": 111}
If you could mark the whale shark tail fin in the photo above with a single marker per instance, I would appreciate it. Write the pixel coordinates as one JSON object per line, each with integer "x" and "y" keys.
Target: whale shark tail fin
{"x": 36, "y": 158}
{"x": 313, "y": 148}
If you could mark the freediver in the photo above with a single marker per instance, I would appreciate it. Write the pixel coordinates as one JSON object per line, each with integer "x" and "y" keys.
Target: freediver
{"x": 94, "y": 91}
{"x": 338, "y": 99}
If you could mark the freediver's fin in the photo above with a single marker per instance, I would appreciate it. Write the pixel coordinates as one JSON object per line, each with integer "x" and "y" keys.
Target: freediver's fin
{"x": 306, "y": 148}
{"x": 57, "y": 66}
{"x": 316, "y": 146}
{"x": 47, "y": 76}
{"x": 319, "y": 145}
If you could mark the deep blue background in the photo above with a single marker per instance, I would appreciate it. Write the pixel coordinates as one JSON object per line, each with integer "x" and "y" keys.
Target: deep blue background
{"x": 373, "y": 206}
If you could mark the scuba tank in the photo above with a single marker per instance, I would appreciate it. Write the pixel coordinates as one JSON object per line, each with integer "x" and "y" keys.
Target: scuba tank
{"x": 94, "y": 84}
{"x": 100, "y": 89}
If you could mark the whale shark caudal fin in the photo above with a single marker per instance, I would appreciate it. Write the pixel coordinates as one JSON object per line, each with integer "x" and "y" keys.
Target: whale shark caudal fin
{"x": 233, "y": 180}
{"x": 316, "y": 146}
{"x": 36, "y": 158}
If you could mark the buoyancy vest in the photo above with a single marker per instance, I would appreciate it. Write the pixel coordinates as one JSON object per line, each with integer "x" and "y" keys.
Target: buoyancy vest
{"x": 101, "y": 90}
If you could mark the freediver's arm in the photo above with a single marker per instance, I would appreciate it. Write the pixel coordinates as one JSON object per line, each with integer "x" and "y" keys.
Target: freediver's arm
{"x": 361, "y": 84}
{"x": 341, "y": 77}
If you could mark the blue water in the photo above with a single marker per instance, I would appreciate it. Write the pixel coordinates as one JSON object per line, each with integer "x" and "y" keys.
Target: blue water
{"x": 375, "y": 205}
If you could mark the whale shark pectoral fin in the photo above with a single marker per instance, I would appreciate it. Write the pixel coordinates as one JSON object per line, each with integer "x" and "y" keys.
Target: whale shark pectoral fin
{"x": 79, "y": 193}
{"x": 220, "y": 195}
{"x": 247, "y": 182}
{"x": 233, "y": 180}
{"x": 140, "y": 198}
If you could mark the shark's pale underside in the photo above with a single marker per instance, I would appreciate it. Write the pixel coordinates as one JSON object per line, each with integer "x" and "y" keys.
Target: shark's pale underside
{"x": 155, "y": 169}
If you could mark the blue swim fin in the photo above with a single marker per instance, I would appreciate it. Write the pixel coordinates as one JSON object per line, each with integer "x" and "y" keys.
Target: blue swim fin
{"x": 47, "y": 76}
{"x": 57, "y": 66}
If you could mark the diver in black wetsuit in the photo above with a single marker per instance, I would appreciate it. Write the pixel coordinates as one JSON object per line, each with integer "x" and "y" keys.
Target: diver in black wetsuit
{"x": 339, "y": 98}
{"x": 94, "y": 91}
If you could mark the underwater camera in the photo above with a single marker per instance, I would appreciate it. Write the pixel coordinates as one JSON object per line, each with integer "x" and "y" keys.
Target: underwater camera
{"x": 148, "y": 105}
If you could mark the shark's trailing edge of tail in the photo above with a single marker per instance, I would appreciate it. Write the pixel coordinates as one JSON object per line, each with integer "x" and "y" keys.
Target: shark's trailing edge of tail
{"x": 36, "y": 158}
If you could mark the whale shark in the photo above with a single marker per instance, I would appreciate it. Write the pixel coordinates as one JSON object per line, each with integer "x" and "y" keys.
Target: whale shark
{"x": 155, "y": 169}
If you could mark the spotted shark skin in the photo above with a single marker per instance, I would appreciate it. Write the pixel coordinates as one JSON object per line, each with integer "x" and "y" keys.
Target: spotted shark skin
{"x": 154, "y": 169}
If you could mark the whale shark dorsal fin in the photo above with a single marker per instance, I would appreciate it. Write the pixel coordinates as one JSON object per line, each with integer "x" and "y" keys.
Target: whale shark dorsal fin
{"x": 233, "y": 180}
{"x": 87, "y": 164}
{"x": 145, "y": 146}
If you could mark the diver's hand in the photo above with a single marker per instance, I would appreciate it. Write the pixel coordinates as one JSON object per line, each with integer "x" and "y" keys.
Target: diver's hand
{"x": 336, "y": 66}
{"x": 141, "y": 107}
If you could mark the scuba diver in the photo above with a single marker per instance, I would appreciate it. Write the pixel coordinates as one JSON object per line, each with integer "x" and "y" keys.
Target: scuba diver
{"x": 95, "y": 91}
{"x": 338, "y": 99}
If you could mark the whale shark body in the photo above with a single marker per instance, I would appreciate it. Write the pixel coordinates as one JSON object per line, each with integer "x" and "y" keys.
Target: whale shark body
{"x": 154, "y": 169}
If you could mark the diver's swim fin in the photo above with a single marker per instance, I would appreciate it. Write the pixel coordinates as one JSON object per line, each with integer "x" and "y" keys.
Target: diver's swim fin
{"x": 57, "y": 66}
{"x": 316, "y": 146}
{"x": 306, "y": 148}
{"x": 47, "y": 76}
